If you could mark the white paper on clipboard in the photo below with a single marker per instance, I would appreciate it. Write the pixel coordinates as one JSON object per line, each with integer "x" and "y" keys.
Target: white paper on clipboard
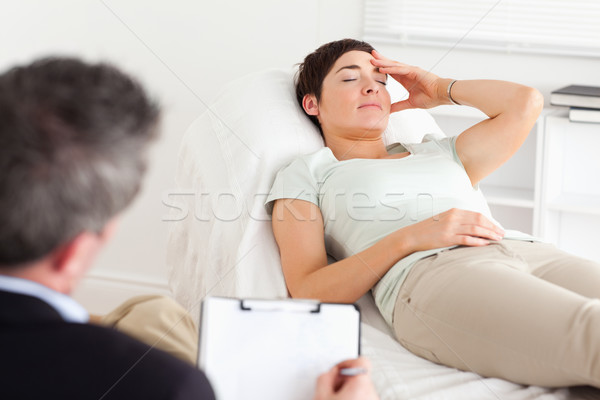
{"x": 273, "y": 349}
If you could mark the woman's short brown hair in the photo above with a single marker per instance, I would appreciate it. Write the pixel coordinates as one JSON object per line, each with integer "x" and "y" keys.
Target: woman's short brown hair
{"x": 316, "y": 65}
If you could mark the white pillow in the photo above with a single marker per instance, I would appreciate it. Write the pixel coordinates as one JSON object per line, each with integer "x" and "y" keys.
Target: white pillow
{"x": 224, "y": 244}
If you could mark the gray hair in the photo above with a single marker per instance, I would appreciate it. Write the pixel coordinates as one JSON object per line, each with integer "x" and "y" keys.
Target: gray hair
{"x": 72, "y": 152}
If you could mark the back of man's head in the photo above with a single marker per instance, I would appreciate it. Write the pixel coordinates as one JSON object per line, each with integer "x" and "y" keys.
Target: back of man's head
{"x": 72, "y": 152}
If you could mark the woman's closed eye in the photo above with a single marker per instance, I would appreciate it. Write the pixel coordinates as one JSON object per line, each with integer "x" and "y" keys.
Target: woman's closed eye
{"x": 381, "y": 78}
{"x": 384, "y": 83}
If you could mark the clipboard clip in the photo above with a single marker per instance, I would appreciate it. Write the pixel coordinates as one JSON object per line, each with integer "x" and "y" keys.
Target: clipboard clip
{"x": 312, "y": 306}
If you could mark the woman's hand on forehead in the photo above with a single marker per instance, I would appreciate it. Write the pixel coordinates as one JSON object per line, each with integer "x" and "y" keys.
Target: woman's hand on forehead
{"x": 423, "y": 87}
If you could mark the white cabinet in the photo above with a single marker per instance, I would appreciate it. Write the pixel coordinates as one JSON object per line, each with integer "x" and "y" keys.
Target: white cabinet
{"x": 551, "y": 187}
{"x": 570, "y": 189}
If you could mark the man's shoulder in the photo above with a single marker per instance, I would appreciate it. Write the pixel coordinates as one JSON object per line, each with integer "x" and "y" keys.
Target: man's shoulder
{"x": 139, "y": 364}
{"x": 99, "y": 361}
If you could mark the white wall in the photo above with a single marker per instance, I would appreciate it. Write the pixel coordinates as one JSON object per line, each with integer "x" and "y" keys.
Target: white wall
{"x": 185, "y": 51}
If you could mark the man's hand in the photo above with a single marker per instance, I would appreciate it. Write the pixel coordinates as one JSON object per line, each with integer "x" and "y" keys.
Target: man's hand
{"x": 332, "y": 385}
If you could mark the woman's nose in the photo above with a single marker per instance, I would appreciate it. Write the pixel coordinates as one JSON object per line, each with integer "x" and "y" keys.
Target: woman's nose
{"x": 371, "y": 88}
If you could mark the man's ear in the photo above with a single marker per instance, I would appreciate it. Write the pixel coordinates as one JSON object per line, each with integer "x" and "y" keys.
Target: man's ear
{"x": 83, "y": 247}
{"x": 73, "y": 259}
{"x": 109, "y": 229}
{"x": 67, "y": 258}
{"x": 310, "y": 105}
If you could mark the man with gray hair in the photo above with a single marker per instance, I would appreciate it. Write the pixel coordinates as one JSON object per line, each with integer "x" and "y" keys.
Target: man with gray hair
{"x": 73, "y": 138}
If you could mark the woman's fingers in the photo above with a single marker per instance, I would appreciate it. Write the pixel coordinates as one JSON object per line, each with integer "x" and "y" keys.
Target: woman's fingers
{"x": 389, "y": 66}
{"x": 454, "y": 227}
{"x": 381, "y": 61}
{"x": 395, "y": 68}
{"x": 387, "y": 63}
{"x": 480, "y": 220}
{"x": 421, "y": 85}
{"x": 470, "y": 228}
{"x": 379, "y": 56}
{"x": 481, "y": 232}
{"x": 475, "y": 224}
{"x": 465, "y": 240}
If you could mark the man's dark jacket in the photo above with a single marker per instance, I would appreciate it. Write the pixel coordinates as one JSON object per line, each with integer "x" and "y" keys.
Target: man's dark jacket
{"x": 44, "y": 357}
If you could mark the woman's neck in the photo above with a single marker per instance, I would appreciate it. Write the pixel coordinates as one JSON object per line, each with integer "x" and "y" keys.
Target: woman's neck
{"x": 349, "y": 148}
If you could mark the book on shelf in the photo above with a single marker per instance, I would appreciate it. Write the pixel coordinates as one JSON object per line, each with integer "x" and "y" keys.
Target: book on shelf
{"x": 584, "y": 115}
{"x": 576, "y": 96}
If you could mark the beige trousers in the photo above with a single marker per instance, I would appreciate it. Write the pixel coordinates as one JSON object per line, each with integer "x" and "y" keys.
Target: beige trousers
{"x": 159, "y": 322}
{"x": 522, "y": 311}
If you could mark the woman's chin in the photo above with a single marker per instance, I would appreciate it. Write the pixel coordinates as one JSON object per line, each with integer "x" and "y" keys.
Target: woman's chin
{"x": 373, "y": 130}
{"x": 365, "y": 130}
{"x": 376, "y": 124}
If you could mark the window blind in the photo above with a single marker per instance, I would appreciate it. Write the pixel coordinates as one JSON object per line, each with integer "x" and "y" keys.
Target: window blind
{"x": 536, "y": 26}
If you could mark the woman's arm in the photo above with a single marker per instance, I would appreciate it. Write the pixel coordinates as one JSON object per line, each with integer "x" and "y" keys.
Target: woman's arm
{"x": 298, "y": 229}
{"x": 512, "y": 110}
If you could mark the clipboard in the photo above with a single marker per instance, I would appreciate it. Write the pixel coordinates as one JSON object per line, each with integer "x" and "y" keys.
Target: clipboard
{"x": 257, "y": 349}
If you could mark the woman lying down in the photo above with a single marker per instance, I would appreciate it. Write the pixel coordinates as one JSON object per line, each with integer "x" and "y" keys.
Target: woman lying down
{"x": 408, "y": 223}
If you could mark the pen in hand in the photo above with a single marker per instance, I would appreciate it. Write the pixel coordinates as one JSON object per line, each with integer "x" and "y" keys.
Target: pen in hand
{"x": 352, "y": 371}
{"x": 348, "y": 380}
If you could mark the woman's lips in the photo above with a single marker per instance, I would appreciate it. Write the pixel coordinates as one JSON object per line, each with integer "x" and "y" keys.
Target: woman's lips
{"x": 369, "y": 105}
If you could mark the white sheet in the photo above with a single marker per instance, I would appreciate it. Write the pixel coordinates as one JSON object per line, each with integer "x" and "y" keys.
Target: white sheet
{"x": 223, "y": 245}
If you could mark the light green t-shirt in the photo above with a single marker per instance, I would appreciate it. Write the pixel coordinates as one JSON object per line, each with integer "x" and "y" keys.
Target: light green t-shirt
{"x": 364, "y": 200}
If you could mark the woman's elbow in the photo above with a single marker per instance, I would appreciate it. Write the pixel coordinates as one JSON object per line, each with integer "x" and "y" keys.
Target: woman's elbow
{"x": 297, "y": 290}
{"x": 294, "y": 293}
{"x": 305, "y": 290}
{"x": 532, "y": 102}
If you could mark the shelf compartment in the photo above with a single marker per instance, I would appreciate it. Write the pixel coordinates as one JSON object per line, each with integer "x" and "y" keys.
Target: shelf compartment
{"x": 515, "y": 218}
{"x": 573, "y": 232}
{"x": 508, "y": 196}
{"x": 576, "y": 203}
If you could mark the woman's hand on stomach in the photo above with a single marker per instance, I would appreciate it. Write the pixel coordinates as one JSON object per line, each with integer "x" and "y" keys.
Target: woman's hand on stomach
{"x": 451, "y": 228}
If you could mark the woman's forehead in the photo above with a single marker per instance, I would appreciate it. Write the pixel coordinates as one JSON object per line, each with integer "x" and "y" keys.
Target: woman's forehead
{"x": 352, "y": 60}
{"x": 354, "y": 57}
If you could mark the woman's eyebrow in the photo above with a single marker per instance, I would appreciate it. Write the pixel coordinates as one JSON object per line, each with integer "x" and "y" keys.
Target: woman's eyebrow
{"x": 354, "y": 66}
{"x": 348, "y": 67}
